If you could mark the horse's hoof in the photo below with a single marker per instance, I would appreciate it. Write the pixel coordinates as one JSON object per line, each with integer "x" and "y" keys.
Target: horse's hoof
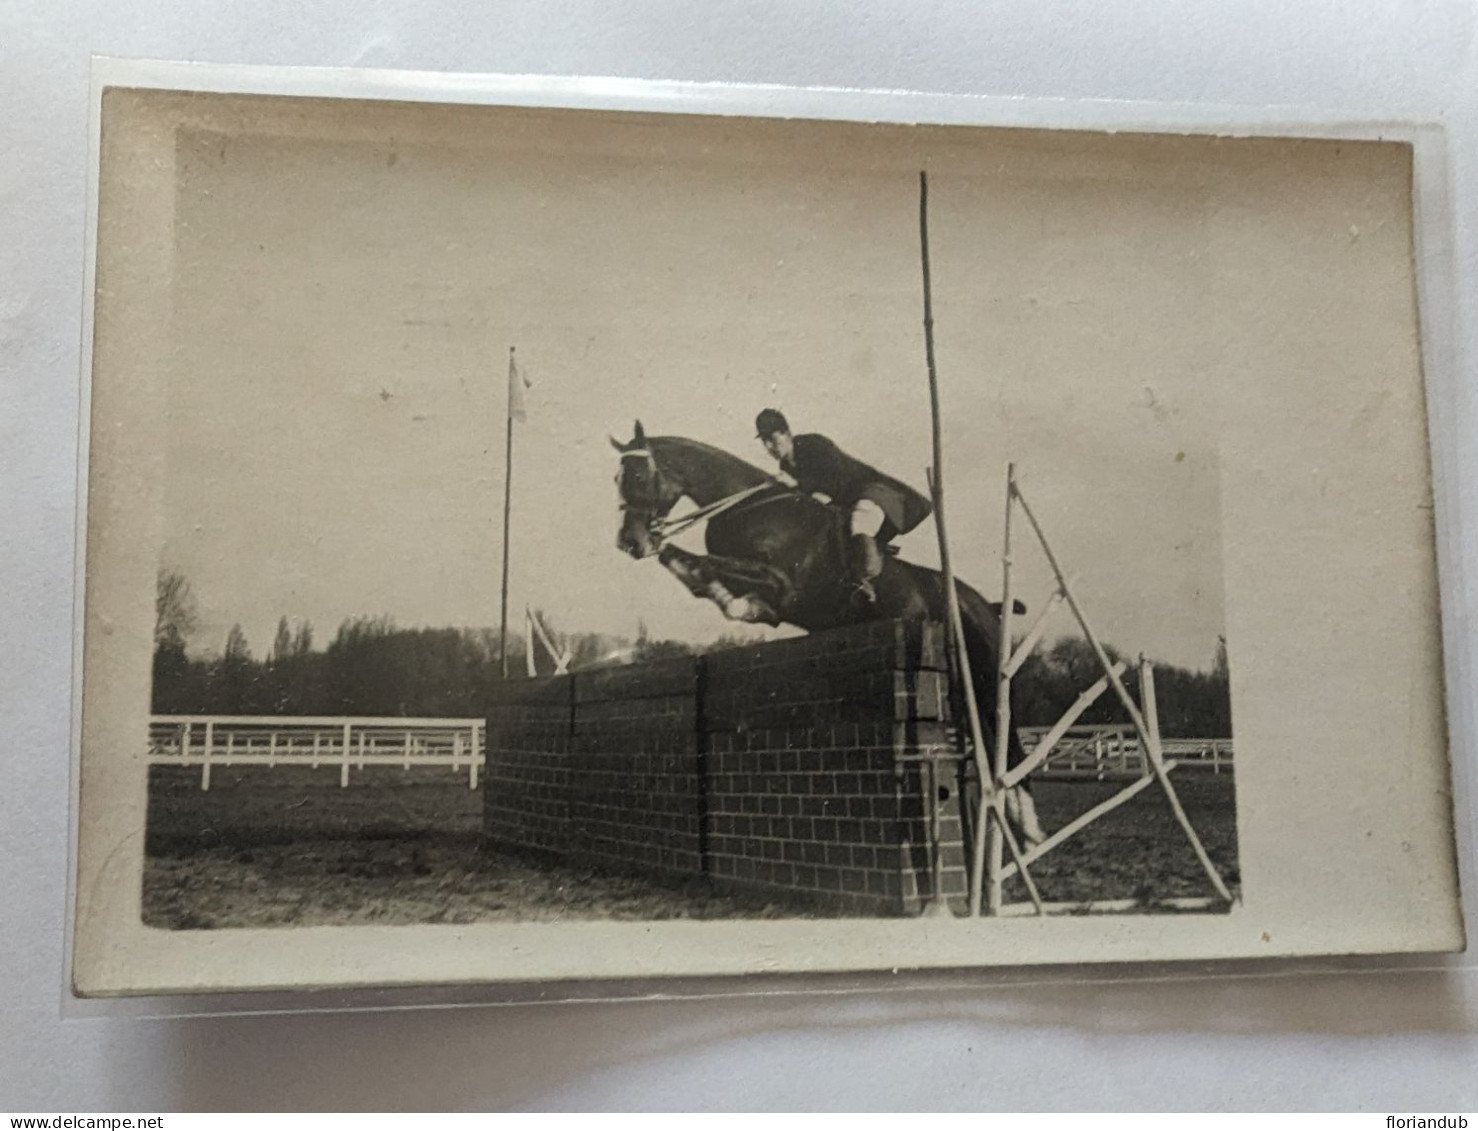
{"x": 740, "y": 608}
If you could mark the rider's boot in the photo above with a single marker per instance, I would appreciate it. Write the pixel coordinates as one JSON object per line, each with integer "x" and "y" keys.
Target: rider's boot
{"x": 864, "y": 563}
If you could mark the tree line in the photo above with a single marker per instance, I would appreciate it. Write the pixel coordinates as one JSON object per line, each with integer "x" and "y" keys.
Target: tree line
{"x": 1192, "y": 704}
{"x": 372, "y": 667}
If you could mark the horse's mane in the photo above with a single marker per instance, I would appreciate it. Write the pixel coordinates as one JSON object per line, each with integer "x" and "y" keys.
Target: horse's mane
{"x": 681, "y": 447}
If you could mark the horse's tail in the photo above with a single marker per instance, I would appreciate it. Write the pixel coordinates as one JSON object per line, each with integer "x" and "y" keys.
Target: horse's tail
{"x": 982, "y": 630}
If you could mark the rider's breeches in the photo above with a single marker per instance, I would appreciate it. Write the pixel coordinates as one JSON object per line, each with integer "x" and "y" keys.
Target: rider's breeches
{"x": 867, "y": 518}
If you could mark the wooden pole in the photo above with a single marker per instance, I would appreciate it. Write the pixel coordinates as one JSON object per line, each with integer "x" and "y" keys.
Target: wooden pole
{"x": 507, "y": 509}
{"x": 1135, "y": 716}
{"x": 1034, "y": 635}
{"x": 936, "y": 488}
{"x": 988, "y": 798}
{"x": 1150, "y": 701}
{"x": 938, "y": 905}
{"x": 1049, "y": 740}
{"x": 210, "y": 741}
{"x": 1083, "y": 820}
{"x": 991, "y": 800}
{"x": 560, "y": 656}
{"x": 1003, "y": 695}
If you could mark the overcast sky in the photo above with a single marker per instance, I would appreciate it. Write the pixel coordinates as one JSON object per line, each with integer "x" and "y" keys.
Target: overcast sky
{"x": 345, "y": 304}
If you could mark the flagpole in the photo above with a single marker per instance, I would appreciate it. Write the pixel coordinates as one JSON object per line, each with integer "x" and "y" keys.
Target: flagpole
{"x": 507, "y": 508}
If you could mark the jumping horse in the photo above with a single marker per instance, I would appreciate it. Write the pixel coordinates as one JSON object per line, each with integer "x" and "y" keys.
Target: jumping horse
{"x": 778, "y": 556}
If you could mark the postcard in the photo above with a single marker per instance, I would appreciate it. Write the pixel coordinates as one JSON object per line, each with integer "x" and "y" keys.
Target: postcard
{"x": 532, "y": 543}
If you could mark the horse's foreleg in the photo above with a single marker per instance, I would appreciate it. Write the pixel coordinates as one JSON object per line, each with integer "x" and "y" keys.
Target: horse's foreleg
{"x": 703, "y": 578}
{"x": 687, "y": 568}
{"x": 744, "y": 607}
{"x": 749, "y": 609}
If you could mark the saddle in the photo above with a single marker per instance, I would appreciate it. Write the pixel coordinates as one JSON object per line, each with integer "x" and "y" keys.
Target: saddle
{"x": 840, "y": 524}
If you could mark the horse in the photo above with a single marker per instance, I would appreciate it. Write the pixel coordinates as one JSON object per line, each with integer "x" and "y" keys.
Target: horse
{"x": 778, "y": 556}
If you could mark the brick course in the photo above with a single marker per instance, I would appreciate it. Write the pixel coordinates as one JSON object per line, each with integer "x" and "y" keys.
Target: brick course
{"x": 795, "y": 769}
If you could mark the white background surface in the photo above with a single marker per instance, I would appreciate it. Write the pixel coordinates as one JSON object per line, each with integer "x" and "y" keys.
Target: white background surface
{"x": 1382, "y": 1042}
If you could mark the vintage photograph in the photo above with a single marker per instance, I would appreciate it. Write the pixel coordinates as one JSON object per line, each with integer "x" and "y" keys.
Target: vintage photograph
{"x": 560, "y": 517}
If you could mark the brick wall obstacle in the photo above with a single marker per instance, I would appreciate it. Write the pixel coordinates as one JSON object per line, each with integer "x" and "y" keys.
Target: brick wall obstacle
{"x": 810, "y": 770}
{"x": 635, "y": 787}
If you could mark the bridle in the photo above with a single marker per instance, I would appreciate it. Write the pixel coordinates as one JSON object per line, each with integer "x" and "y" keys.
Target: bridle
{"x": 647, "y": 511}
{"x": 662, "y": 528}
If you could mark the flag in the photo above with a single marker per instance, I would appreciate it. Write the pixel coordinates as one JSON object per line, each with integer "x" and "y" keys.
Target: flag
{"x": 517, "y": 383}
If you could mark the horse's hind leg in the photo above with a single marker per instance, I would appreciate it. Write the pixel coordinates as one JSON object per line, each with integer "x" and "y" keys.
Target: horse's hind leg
{"x": 1021, "y": 807}
{"x": 1021, "y": 811}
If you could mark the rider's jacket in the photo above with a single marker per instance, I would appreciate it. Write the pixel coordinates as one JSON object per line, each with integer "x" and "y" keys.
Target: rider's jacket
{"x": 820, "y": 467}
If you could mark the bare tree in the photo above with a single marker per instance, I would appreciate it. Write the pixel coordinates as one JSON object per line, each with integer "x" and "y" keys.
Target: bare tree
{"x": 175, "y": 615}
{"x": 282, "y": 643}
{"x": 238, "y": 651}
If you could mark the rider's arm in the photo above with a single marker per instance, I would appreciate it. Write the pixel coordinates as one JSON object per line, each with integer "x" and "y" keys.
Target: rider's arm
{"x": 819, "y": 465}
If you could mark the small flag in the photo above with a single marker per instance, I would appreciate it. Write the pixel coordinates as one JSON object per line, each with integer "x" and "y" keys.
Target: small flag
{"x": 517, "y": 383}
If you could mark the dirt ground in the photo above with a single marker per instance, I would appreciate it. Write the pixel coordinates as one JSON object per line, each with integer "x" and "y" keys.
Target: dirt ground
{"x": 1138, "y": 851}
{"x": 287, "y": 846}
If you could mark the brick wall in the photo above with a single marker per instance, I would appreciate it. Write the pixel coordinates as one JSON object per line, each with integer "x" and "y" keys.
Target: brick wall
{"x": 526, "y": 784}
{"x": 797, "y": 769}
{"x": 635, "y": 791}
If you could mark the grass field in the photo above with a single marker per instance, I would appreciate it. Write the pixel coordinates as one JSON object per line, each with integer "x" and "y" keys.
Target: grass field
{"x": 287, "y": 846}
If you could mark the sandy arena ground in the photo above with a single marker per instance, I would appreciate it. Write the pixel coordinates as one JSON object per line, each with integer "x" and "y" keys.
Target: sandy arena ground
{"x": 287, "y": 846}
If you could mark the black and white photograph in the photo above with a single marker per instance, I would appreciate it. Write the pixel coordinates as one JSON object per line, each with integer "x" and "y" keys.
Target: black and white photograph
{"x": 566, "y": 520}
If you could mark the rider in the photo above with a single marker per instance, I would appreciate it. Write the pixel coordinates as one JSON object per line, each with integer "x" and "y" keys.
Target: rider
{"x": 881, "y": 508}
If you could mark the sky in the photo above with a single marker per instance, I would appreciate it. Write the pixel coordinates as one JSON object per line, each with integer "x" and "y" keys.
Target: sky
{"x": 346, "y": 291}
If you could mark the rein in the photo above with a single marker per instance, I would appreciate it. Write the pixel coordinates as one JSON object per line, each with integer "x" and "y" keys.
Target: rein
{"x": 667, "y": 527}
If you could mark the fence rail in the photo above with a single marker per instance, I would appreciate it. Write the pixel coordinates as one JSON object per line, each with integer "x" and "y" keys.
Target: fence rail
{"x": 208, "y": 741}
{"x": 1105, "y": 752}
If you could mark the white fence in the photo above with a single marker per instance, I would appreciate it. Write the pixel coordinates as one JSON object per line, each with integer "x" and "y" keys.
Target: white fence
{"x": 208, "y": 741}
{"x": 1115, "y": 752}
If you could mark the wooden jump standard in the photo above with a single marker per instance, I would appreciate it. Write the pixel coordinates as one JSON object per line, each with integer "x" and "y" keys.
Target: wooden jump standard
{"x": 988, "y": 866}
{"x": 990, "y": 798}
{"x": 992, "y": 831}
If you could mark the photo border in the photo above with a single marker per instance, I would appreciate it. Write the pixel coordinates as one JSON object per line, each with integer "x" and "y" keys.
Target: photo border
{"x": 1438, "y": 319}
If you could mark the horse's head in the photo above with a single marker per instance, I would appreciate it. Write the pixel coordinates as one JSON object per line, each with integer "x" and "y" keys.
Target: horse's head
{"x": 648, "y": 493}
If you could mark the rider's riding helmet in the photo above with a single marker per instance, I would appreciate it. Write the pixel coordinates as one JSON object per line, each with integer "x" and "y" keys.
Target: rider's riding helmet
{"x": 770, "y": 422}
